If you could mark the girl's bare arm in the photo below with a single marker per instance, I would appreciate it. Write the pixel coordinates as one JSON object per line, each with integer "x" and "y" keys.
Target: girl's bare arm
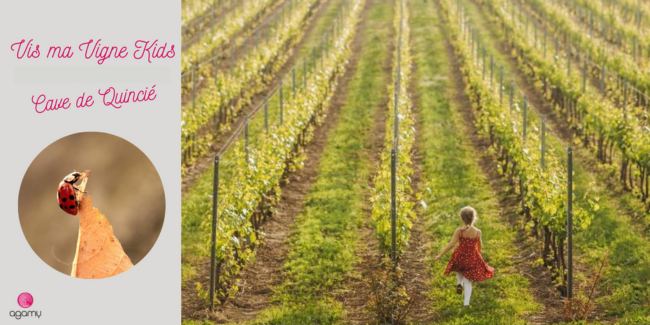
{"x": 452, "y": 243}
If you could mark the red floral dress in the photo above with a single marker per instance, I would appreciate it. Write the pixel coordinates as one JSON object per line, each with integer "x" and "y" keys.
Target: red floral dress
{"x": 467, "y": 259}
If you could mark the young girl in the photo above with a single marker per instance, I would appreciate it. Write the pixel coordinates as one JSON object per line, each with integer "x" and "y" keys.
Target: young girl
{"x": 466, "y": 260}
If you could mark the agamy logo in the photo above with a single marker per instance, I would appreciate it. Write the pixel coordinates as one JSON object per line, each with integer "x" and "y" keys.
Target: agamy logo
{"x": 25, "y": 300}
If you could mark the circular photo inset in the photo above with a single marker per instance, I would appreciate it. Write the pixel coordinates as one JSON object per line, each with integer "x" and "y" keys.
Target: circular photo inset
{"x": 91, "y": 205}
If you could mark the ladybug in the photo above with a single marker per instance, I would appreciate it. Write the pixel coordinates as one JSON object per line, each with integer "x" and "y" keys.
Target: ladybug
{"x": 66, "y": 194}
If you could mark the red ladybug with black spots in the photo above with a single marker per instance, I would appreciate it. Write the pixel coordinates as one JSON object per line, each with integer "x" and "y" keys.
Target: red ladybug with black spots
{"x": 66, "y": 193}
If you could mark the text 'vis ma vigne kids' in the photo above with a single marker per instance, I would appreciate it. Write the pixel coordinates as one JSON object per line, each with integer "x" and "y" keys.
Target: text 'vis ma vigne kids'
{"x": 96, "y": 50}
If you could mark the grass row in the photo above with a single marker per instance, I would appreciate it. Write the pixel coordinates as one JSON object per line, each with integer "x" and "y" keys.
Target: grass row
{"x": 322, "y": 247}
{"x": 453, "y": 179}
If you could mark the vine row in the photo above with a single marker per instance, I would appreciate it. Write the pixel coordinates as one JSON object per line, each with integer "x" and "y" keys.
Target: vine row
{"x": 540, "y": 179}
{"x": 245, "y": 198}
{"x": 227, "y": 94}
{"x": 599, "y": 123}
{"x": 215, "y": 39}
{"x": 400, "y": 118}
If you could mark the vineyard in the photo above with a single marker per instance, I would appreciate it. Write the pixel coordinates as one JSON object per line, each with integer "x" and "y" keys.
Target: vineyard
{"x": 329, "y": 145}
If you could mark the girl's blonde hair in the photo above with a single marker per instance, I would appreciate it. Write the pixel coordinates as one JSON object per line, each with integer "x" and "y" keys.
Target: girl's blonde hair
{"x": 468, "y": 214}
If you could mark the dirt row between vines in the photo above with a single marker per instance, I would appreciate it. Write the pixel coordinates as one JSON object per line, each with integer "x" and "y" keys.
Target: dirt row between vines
{"x": 541, "y": 286}
{"x": 203, "y": 163}
{"x": 265, "y": 272}
{"x": 356, "y": 290}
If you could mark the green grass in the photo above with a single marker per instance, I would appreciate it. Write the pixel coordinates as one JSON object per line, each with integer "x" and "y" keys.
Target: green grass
{"x": 322, "y": 247}
{"x": 628, "y": 271}
{"x": 197, "y": 202}
{"x": 453, "y": 179}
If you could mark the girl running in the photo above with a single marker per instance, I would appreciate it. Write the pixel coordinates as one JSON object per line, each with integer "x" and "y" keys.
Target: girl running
{"x": 466, "y": 260}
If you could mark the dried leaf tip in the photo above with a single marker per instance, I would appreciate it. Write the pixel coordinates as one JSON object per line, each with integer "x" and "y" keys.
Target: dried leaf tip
{"x": 99, "y": 253}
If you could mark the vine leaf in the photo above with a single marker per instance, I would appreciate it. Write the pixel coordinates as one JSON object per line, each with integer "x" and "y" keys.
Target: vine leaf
{"x": 99, "y": 254}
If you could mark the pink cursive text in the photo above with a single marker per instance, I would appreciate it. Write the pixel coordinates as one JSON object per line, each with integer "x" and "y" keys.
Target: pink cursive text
{"x": 152, "y": 50}
{"x": 110, "y": 97}
{"x": 102, "y": 52}
{"x": 50, "y": 104}
{"x": 26, "y": 48}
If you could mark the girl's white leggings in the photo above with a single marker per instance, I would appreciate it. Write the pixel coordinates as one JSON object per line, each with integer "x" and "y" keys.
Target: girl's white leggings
{"x": 467, "y": 284}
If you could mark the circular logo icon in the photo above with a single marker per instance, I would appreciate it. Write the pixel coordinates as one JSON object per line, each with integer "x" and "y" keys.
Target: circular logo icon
{"x": 25, "y": 300}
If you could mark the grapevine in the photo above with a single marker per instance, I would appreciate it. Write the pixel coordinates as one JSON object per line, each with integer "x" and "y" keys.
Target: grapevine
{"x": 227, "y": 94}
{"x": 245, "y": 196}
{"x": 600, "y": 123}
{"x": 540, "y": 186}
{"x": 381, "y": 198}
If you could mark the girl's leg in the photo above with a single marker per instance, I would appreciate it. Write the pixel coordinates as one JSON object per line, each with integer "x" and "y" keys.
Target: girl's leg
{"x": 459, "y": 278}
{"x": 468, "y": 291}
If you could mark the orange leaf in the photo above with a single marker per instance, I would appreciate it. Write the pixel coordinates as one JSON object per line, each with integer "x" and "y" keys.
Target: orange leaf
{"x": 99, "y": 254}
